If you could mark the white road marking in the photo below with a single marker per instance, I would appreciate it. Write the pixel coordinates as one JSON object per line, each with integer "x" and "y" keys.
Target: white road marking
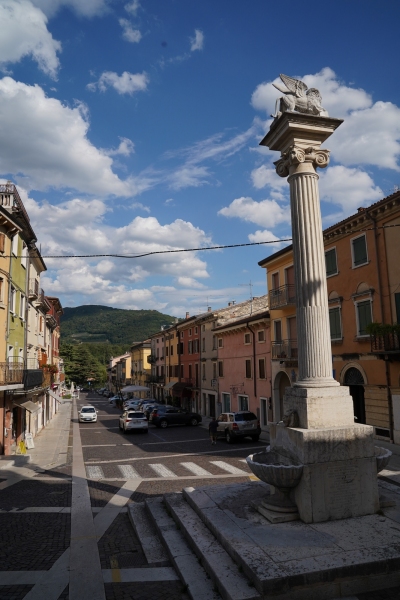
{"x": 95, "y": 473}
{"x": 162, "y": 470}
{"x": 128, "y": 472}
{"x": 195, "y": 469}
{"x": 227, "y": 467}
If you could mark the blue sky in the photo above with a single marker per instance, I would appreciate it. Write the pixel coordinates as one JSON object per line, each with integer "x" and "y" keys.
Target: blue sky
{"x": 133, "y": 126}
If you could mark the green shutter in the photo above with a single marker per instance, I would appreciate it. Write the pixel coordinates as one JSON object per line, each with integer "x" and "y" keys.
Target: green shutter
{"x": 334, "y": 322}
{"x": 360, "y": 251}
{"x": 364, "y": 316}
{"x": 330, "y": 262}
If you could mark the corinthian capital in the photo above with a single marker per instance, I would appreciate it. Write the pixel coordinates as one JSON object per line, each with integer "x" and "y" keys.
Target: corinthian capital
{"x": 295, "y": 156}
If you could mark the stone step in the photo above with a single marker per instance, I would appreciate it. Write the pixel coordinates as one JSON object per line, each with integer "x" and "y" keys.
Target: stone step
{"x": 225, "y": 573}
{"x": 199, "y": 585}
{"x": 153, "y": 549}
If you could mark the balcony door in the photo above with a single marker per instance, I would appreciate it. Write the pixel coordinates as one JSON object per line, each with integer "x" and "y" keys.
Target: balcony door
{"x": 289, "y": 272}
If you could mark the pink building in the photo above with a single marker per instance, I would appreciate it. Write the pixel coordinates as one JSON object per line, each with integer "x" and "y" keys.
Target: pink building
{"x": 244, "y": 365}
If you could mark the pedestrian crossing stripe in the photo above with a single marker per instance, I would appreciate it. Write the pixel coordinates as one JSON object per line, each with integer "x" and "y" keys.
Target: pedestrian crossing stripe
{"x": 227, "y": 467}
{"x": 190, "y": 466}
{"x": 162, "y": 470}
{"x": 94, "y": 473}
{"x": 128, "y": 472}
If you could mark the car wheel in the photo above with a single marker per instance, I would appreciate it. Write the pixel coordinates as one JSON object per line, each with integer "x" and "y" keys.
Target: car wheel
{"x": 163, "y": 423}
{"x": 193, "y": 421}
{"x": 228, "y": 437}
{"x": 255, "y": 438}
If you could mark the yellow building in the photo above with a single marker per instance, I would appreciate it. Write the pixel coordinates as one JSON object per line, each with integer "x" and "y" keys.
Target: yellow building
{"x": 140, "y": 366}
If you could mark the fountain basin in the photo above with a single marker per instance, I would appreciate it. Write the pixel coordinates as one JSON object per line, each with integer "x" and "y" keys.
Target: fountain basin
{"x": 382, "y": 456}
{"x": 275, "y": 469}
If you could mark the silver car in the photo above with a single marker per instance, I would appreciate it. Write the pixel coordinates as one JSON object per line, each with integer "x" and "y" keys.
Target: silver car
{"x": 131, "y": 420}
{"x": 236, "y": 425}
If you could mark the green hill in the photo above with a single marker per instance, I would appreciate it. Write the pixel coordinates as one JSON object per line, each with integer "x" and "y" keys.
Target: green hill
{"x": 103, "y": 324}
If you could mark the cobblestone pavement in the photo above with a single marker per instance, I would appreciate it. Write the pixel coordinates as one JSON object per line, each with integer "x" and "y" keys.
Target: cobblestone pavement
{"x": 161, "y": 462}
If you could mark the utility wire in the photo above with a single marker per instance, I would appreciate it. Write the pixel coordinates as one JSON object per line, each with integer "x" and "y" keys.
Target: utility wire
{"x": 198, "y": 249}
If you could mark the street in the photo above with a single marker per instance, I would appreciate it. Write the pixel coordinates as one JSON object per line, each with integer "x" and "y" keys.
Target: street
{"x": 65, "y": 528}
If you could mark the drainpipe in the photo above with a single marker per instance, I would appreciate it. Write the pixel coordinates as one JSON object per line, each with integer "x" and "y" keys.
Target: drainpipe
{"x": 254, "y": 360}
{"x": 386, "y": 358}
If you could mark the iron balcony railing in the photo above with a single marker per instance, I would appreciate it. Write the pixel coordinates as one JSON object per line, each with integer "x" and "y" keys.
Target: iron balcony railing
{"x": 155, "y": 379}
{"x": 11, "y": 372}
{"x": 285, "y": 349}
{"x": 385, "y": 343}
{"x": 282, "y": 296}
{"x": 33, "y": 289}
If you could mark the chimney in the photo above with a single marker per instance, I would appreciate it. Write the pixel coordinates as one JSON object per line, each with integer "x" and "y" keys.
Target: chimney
{"x": 187, "y": 315}
{"x": 208, "y": 308}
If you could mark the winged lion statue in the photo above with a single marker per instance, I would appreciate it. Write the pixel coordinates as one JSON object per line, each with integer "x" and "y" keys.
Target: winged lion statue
{"x": 297, "y": 97}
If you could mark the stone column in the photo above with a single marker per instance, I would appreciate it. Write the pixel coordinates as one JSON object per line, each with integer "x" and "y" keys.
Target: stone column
{"x": 315, "y": 358}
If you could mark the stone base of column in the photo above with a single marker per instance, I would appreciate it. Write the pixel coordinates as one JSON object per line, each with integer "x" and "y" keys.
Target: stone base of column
{"x": 320, "y": 407}
{"x": 340, "y": 470}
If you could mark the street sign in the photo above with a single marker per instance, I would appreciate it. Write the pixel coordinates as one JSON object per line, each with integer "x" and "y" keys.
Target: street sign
{"x": 29, "y": 441}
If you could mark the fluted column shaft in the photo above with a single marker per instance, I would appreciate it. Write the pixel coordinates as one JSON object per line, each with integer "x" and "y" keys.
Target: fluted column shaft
{"x": 315, "y": 357}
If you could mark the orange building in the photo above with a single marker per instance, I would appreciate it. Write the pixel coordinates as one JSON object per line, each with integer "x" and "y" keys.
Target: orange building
{"x": 363, "y": 287}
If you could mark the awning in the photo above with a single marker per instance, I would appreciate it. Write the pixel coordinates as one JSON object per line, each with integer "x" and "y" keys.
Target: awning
{"x": 29, "y": 406}
{"x": 135, "y": 388}
{"x": 176, "y": 387}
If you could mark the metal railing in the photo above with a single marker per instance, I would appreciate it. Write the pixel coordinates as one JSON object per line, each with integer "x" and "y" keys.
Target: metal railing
{"x": 285, "y": 349}
{"x": 11, "y": 372}
{"x": 387, "y": 342}
{"x": 33, "y": 288}
{"x": 284, "y": 295}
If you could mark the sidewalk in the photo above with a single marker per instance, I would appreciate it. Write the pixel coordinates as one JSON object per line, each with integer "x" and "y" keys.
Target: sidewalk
{"x": 51, "y": 444}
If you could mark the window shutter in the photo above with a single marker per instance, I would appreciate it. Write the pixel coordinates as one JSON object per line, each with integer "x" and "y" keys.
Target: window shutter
{"x": 364, "y": 316}
{"x": 360, "y": 251}
{"x": 2, "y": 242}
{"x": 334, "y": 322}
{"x": 330, "y": 261}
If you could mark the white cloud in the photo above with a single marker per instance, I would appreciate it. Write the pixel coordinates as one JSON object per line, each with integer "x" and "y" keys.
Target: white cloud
{"x": 189, "y": 282}
{"x": 370, "y": 133}
{"x": 267, "y": 177}
{"x": 132, "y": 7}
{"x": 128, "y": 33}
{"x": 83, "y": 8}
{"x": 140, "y": 206}
{"x": 126, "y": 148}
{"x": 188, "y": 176}
{"x": 127, "y": 83}
{"x": 266, "y": 213}
{"x": 349, "y": 188}
{"x": 265, "y": 236}
{"x": 197, "y": 42}
{"x": 47, "y": 145}
{"x": 24, "y": 33}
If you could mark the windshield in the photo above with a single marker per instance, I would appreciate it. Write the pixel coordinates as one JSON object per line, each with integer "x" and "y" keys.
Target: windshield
{"x": 245, "y": 417}
{"x": 87, "y": 410}
{"x": 136, "y": 415}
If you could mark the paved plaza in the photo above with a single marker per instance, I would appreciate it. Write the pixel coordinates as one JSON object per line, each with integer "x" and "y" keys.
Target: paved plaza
{"x": 64, "y": 516}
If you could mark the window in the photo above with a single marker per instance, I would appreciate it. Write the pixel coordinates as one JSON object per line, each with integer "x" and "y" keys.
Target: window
{"x": 176, "y": 370}
{"x": 203, "y": 328}
{"x": 248, "y": 369}
{"x": 364, "y": 316}
{"x": 24, "y": 257}
{"x": 190, "y": 371}
{"x": 1, "y": 288}
{"x": 172, "y": 350}
{"x": 220, "y": 343}
{"x": 22, "y": 307}
{"x": 397, "y": 304}
{"x": 195, "y": 330}
{"x": 182, "y": 372}
{"x": 275, "y": 281}
{"x": 220, "y": 368}
{"x": 14, "y": 245}
{"x": 261, "y": 335}
{"x": 243, "y": 403}
{"x": 181, "y": 335}
{"x": 203, "y": 371}
{"x": 335, "y": 323}
{"x": 2, "y": 242}
{"x": 203, "y": 348}
{"x": 170, "y": 371}
{"x": 226, "y": 403}
{"x": 158, "y": 353}
{"x": 12, "y": 300}
{"x": 331, "y": 262}
{"x": 214, "y": 370}
{"x": 247, "y": 338}
{"x": 278, "y": 331}
{"x": 359, "y": 251}
{"x": 190, "y": 332}
{"x": 214, "y": 346}
{"x": 196, "y": 346}
{"x": 190, "y": 347}
{"x": 261, "y": 368}
{"x": 166, "y": 350}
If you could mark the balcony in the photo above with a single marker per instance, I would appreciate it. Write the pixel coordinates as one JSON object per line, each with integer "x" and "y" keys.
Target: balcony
{"x": 33, "y": 289}
{"x": 155, "y": 379}
{"x": 51, "y": 322}
{"x": 11, "y": 372}
{"x": 387, "y": 343}
{"x": 282, "y": 296}
{"x": 42, "y": 302}
{"x": 152, "y": 359}
{"x": 285, "y": 350}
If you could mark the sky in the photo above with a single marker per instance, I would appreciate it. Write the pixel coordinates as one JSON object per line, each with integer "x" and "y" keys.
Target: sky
{"x": 133, "y": 126}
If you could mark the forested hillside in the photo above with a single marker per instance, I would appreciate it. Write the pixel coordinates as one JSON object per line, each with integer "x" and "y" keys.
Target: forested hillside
{"x": 95, "y": 323}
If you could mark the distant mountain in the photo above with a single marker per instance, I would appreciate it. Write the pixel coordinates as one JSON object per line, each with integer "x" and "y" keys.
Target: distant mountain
{"x": 103, "y": 324}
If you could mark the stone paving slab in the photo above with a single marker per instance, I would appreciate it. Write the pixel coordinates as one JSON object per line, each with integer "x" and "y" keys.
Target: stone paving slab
{"x": 36, "y": 493}
{"x": 14, "y": 592}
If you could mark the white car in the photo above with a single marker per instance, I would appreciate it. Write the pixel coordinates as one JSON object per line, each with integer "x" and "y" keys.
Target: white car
{"x": 87, "y": 414}
{"x": 130, "y": 420}
{"x": 133, "y": 404}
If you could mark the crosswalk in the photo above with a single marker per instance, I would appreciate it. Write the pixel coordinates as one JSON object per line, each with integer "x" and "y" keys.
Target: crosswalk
{"x": 161, "y": 471}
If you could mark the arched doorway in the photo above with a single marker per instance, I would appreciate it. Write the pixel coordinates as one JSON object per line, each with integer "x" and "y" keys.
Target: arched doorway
{"x": 354, "y": 379}
{"x": 282, "y": 381}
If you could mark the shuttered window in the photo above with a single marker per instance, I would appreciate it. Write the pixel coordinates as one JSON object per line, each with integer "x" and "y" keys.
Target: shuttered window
{"x": 364, "y": 314}
{"x": 331, "y": 262}
{"x": 248, "y": 369}
{"x": 359, "y": 251}
{"x": 334, "y": 323}
{"x": 2, "y": 242}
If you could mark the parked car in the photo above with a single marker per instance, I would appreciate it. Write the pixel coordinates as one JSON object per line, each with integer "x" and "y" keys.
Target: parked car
{"x": 87, "y": 414}
{"x": 165, "y": 415}
{"x": 130, "y": 420}
{"x": 135, "y": 404}
{"x": 235, "y": 425}
{"x": 148, "y": 408}
{"x": 117, "y": 397}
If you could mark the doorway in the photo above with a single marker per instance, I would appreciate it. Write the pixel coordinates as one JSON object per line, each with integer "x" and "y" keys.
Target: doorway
{"x": 354, "y": 379}
{"x": 282, "y": 381}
